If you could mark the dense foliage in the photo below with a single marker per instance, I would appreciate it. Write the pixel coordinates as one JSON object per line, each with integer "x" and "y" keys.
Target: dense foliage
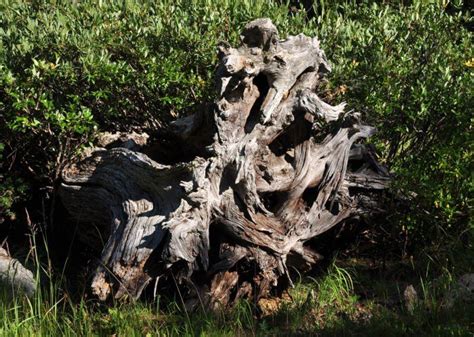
{"x": 409, "y": 70}
{"x": 69, "y": 71}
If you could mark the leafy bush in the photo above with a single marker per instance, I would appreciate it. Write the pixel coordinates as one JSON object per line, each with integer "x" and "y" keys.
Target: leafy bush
{"x": 69, "y": 71}
{"x": 407, "y": 69}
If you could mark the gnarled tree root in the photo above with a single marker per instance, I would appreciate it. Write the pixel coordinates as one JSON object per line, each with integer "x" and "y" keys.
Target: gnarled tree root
{"x": 281, "y": 167}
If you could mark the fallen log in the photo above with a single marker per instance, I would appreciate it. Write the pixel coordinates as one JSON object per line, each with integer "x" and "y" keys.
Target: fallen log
{"x": 14, "y": 277}
{"x": 273, "y": 167}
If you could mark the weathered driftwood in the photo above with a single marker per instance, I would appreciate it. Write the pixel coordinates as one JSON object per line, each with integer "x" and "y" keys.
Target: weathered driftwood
{"x": 275, "y": 167}
{"x": 14, "y": 277}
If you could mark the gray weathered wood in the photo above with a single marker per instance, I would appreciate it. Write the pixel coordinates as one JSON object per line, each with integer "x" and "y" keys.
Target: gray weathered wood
{"x": 14, "y": 277}
{"x": 277, "y": 174}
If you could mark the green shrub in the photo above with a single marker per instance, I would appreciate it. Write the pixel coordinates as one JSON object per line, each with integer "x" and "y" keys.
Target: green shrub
{"x": 408, "y": 70}
{"x": 70, "y": 70}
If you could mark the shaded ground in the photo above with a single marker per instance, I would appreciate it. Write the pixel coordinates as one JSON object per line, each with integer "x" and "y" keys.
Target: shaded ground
{"x": 350, "y": 298}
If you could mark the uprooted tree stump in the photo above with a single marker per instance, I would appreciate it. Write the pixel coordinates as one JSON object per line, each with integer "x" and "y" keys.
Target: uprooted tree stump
{"x": 273, "y": 167}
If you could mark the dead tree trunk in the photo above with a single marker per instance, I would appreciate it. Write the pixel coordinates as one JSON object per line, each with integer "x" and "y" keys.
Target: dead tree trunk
{"x": 282, "y": 167}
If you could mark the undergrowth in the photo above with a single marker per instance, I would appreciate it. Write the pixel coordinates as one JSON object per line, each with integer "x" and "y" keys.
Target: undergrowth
{"x": 340, "y": 301}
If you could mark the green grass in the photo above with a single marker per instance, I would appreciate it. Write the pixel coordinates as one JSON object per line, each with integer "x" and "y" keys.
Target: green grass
{"x": 327, "y": 305}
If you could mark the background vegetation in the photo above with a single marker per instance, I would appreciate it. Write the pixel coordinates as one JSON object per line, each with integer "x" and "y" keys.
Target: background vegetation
{"x": 69, "y": 70}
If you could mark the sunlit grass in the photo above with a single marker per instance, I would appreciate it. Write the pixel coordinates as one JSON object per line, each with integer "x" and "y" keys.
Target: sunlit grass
{"x": 327, "y": 305}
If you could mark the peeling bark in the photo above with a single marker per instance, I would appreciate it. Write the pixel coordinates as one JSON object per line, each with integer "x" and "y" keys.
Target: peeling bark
{"x": 276, "y": 166}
